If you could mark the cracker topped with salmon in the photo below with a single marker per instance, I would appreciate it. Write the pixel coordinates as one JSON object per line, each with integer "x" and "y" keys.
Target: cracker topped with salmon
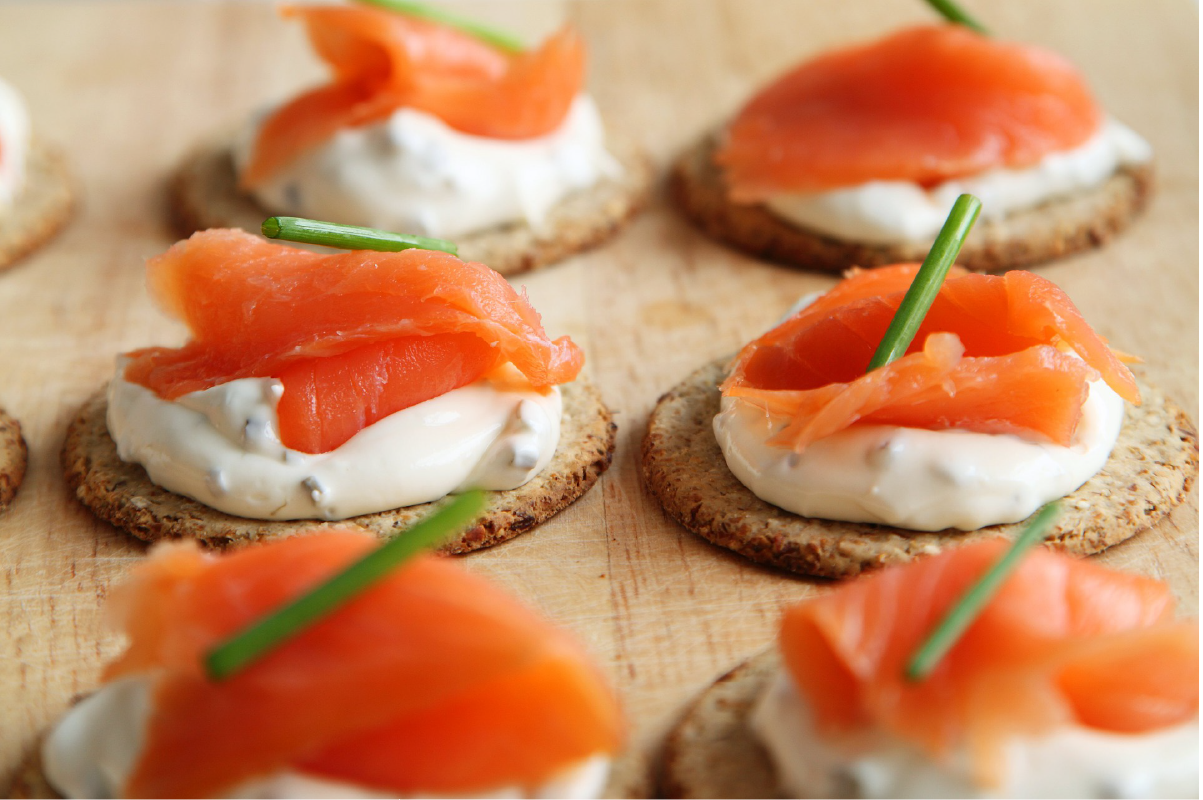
{"x": 801, "y": 454}
{"x": 428, "y": 127}
{"x": 430, "y": 682}
{"x": 360, "y": 386}
{"x": 854, "y": 157}
{"x": 36, "y": 189}
{"x": 1072, "y": 680}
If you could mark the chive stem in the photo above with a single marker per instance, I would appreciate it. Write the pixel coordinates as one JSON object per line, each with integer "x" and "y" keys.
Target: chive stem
{"x": 488, "y": 34}
{"x": 253, "y": 642}
{"x": 966, "y": 610}
{"x": 954, "y": 13}
{"x": 348, "y": 237}
{"x": 927, "y": 282}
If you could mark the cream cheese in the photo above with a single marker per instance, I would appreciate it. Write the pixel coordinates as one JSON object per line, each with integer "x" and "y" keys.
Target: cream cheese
{"x": 413, "y": 173}
{"x": 94, "y": 747}
{"x": 913, "y": 478}
{"x": 14, "y": 144}
{"x": 221, "y": 447}
{"x": 1071, "y": 761}
{"x": 892, "y": 212}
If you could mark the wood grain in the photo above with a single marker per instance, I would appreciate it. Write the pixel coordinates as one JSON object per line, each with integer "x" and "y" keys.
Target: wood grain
{"x": 129, "y": 87}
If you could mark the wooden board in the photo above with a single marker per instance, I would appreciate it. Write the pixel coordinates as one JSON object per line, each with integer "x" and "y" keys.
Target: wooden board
{"x": 129, "y": 86}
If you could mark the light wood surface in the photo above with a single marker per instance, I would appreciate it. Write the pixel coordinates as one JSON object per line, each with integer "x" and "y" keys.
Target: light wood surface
{"x": 129, "y": 86}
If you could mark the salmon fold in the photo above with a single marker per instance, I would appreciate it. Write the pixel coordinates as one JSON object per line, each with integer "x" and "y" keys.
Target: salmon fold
{"x": 924, "y": 105}
{"x": 431, "y": 681}
{"x": 353, "y": 336}
{"x": 382, "y": 61}
{"x": 995, "y": 354}
{"x": 1064, "y": 643}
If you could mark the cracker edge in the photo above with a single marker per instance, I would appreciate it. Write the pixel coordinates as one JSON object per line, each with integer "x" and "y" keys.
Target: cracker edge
{"x": 42, "y": 209}
{"x": 841, "y": 549}
{"x": 711, "y": 751}
{"x": 125, "y": 497}
{"x": 14, "y": 458}
{"x": 202, "y": 193}
{"x": 1058, "y": 228}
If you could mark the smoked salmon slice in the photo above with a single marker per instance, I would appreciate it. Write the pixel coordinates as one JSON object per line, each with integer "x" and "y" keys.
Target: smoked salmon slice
{"x": 432, "y": 681}
{"x": 382, "y": 61}
{"x": 1064, "y": 642}
{"x": 353, "y": 336}
{"x": 993, "y": 355}
{"x": 924, "y": 105}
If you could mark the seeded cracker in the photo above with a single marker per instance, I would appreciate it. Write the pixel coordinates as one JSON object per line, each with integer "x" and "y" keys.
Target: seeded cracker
{"x": 711, "y": 751}
{"x": 123, "y": 495}
{"x": 204, "y": 194}
{"x": 41, "y": 209}
{"x": 1055, "y": 229}
{"x": 1151, "y": 470}
{"x": 13, "y": 458}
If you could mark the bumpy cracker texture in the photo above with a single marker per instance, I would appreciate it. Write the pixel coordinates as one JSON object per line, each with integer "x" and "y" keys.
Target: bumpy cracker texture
{"x": 1055, "y": 229}
{"x": 28, "y": 782}
{"x": 13, "y": 458}
{"x": 711, "y": 752}
{"x": 123, "y": 495}
{"x": 41, "y": 209}
{"x": 204, "y": 194}
{"x": 1151, "y": 470}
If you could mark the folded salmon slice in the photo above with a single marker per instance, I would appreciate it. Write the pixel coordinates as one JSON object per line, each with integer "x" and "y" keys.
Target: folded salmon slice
{"x": 382, "y": 61}
{"x": 925, "y": 105}
{"x": 992, "y": 355}
{"x": 1064, "y": 642}
{"x": 380, "y": 693}
{"x": 353, "y": 336}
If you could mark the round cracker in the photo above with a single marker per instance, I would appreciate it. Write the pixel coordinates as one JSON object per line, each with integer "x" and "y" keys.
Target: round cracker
{"x": 629, "y": 780}
{"x": 204, "y": 194}
{"x": 122, "y": 494}
{"x": 41, "y": 209}
{"x": 711, "y": 751}
{"x": 1051, "y": 230}
{"x": 1152, "y": 468}
{"x": 14, "y": 456}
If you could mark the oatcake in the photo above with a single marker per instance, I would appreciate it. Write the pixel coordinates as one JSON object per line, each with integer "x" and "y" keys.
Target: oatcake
{"x": 14, "y": 456}
{"x": 204, "y": 194}
{"x": 1057, "y": 228}
{"x": 1151, "y": 470}
{"x": 122, "y": 494}
{"x": 41, "y": 209}
{"x": 711, "y": 751}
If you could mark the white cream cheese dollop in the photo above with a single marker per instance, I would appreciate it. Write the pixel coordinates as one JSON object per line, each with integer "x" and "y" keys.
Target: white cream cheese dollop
{"x": 94, "y": 747}
{"x": 892, "y": 212}
{"x": 415, "y": 174}
{"x": 14, "y": 144}
{"x": 1071, "y": 761}
{"x": 913, "y": 478}
{"x": 221, "y": 447}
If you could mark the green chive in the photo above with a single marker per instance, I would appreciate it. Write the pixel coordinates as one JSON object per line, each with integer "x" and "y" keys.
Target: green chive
{"x": 498, "y": 38}
{"x": 927, "y": 282}
{"x": 954, "y": 13}
{"x": 965, "y": 611}
{"x": 261, "y": 637}
{"x": 348, "y": 237}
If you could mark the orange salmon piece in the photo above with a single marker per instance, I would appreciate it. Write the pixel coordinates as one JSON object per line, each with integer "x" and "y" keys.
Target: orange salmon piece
{"x": 925, "y": 105}
{"x": 988, "y": 358}
{"x": 382, "y": 61}
{"x": 1064, "y": 642}
{"x": 328, "y": 400}
{"x": 354, "y": 336}
{"x": 406, "y": 657}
